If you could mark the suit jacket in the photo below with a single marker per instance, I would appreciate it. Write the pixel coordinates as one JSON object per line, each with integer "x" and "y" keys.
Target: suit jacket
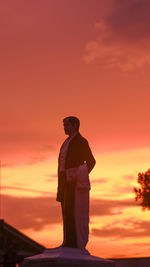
{"x": 78, "y": 153}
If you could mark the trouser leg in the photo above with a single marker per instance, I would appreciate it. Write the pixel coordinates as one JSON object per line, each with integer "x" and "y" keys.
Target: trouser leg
{"x": 64, "y": 223}
{"x": 82, "y": 217}
{"x": 68, "y": 212}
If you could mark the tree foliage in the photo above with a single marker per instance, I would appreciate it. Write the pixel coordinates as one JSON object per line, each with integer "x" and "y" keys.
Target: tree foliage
{"x": 143, "y": 193}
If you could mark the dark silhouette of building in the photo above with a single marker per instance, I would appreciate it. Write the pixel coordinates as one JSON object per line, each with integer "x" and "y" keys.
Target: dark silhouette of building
{"x": 15, "y": 246}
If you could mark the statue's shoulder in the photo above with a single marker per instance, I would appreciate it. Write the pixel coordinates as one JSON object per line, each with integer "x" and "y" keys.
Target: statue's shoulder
{"x": 79, "y": 138}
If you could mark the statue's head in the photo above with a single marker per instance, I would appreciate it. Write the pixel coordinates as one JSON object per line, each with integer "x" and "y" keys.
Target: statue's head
{"x": 71, "y": 125}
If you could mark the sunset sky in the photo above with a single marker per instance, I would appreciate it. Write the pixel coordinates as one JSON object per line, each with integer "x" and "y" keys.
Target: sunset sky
{"x": 90, "y": 59}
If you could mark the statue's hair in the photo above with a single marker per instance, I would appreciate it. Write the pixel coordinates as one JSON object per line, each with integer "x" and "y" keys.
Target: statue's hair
{"x": 74, "y": 121}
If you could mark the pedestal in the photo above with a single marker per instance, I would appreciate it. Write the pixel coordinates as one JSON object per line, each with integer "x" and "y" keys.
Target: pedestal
{"x": 65, "y": 257}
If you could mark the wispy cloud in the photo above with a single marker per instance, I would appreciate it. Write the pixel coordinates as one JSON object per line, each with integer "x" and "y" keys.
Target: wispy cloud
{"x": 123, "y": 38}
{"x": 36, "y": 159}
{"x": 36, "y": 212}
{"x": 52, "y": 177}
{"x": 26, "y": 189}
{"x": 102, "y": 207}
{"x": 129, "y": 177}
{"x": 47, "y": 148}
{"x": 132, "y": 229}
{"x": 24, "y": 146}
{"x": 8, "y": 164}
{"x": 99, "y": 180}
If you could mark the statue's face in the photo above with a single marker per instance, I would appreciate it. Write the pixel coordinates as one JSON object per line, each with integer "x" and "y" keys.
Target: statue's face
{"x": 68, "y": 127}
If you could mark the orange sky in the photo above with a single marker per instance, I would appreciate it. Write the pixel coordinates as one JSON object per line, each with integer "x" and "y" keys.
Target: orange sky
{"x": 85, "y": 58}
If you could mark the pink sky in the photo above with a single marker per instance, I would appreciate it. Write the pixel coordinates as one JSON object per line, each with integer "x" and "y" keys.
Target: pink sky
{"x": 90, "y": 59}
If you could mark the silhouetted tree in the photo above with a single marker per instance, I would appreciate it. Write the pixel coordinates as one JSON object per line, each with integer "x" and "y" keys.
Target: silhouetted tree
{"x": 143, "y": 193}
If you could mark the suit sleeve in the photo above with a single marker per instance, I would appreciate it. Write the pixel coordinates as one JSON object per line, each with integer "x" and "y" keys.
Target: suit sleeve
{"x": 88, "y": 156}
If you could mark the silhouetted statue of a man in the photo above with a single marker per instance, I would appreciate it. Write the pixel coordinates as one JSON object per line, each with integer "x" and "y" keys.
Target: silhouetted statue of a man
{"x": 74, "y": 164}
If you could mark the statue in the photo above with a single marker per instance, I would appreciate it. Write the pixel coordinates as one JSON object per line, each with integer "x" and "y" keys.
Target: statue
{"x": 74, "y": 165}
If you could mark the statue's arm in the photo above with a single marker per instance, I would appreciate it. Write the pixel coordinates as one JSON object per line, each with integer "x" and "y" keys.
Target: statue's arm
{"x": 88, "y": 156}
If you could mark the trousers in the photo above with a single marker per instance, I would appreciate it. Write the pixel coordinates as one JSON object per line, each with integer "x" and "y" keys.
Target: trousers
{"x": 68, "y": 214}
{"x": 75, "y": 213}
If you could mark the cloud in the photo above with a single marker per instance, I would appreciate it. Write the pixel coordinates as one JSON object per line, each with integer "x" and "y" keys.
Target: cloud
{"x": 130, "y": 19}
{"x": 50, "y": 180}
{"x": 25, "y": 189}
{"x": 37, "y": 212}
{"x": 24, "y": 143}
{"x": 129, "y": 177}
{"x": 24, "y": 149}
{"x": 47, "y": 148}
{"x": 132, "y": 229}
{"x": 52, "y": 177}
{"x": 29, "y": 212}
{"x": 36, "y": 159}
{"x": 8, "y": 165}
{"x": 101, "y": 207}
{"x": 125, "y": 189}
{"x": 99, "y": 181}
{"x": 123, "y": 38}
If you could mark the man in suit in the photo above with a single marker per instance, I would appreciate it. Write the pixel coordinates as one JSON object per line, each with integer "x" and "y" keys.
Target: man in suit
{"x": 74, "y": 152}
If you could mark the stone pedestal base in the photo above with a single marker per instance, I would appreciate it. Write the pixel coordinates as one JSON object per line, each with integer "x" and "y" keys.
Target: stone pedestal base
{"x": 64, "y": 256}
